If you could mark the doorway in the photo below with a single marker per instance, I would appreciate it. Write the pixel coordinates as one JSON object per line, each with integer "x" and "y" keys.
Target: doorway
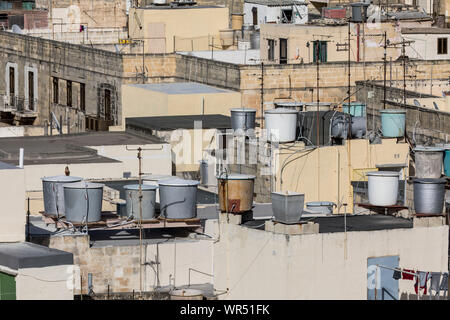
{"x": 283, "y": 51}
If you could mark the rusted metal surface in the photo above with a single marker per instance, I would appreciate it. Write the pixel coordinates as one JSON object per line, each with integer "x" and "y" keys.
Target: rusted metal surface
{"x": 235, "y": 195}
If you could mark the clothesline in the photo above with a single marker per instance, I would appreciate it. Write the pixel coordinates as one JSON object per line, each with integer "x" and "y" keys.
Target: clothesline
{"x": 400, "y": 270}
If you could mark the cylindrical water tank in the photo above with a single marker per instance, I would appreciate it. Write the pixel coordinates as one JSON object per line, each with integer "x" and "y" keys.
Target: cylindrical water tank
{"x": 178, "y": 198}
{"x": 83, "y": 201}
{"x": 312, "y": 106}
{"x": 393, "y": 123}
{"x": 281, "y": 124}
{"x": 383, "y": 188}
{"x": 243, "y": 119}
{"x": 54, "y": 193}
{"x": 358, "y": 127}
{"x": 208, "y": 173}
{"x": 447, "y": 160}
{"x": 356, "y": 109}
{"x": 147, "y": 203}
{"x": 254, "y": 40}
{"x": 236, "y": 192}
{"x": 429, "y": 195}
{"x": 153, "y": 179}
{"x": 428, "y": 162}
{"x": 359, "y": 11}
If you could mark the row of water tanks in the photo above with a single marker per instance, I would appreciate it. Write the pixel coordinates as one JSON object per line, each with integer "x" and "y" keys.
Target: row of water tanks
{"x": 282, "y": 122}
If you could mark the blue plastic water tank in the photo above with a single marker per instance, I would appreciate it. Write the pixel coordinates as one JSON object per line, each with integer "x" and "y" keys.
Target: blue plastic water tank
{"x": 356, "y": 109}
{"x": 393, "y": 123}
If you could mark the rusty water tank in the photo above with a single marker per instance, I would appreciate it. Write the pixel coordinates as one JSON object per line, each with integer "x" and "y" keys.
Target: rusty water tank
{"x": 236, "y": 192}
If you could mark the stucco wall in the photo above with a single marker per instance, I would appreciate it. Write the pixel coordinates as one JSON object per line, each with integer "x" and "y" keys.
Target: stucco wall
{"x": 255, "y": 264}
{"x": 47, "y": 283}
{"x": 425, "y": 46}
{"x": 12, "y": 212}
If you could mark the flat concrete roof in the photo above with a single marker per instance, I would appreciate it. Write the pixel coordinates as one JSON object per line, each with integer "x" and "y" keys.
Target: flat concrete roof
{"x": 6, "y": 166}
{"x": 180, "y": 88}
{"x": 29, "y": 255}
{"x": 334, "y": 223}
{"x": 68, "y": 148}
{"x": 209, "y": 121}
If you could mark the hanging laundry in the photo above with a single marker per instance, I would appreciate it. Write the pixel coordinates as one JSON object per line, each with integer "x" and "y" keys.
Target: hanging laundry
{"x": 397, "y": 275}
{"x": 421, "y": 282}
{"x": 435, "y": 281}
{"x": 408, "y": 276}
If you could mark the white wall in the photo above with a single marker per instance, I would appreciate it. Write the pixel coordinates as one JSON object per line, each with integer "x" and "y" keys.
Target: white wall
{"x": 47, "y": 283}
{"x": 256, "y": 264}
{"x": 12, "y": 210}
{"x": 268, "y": 14}
{"x": 425, "y": 46}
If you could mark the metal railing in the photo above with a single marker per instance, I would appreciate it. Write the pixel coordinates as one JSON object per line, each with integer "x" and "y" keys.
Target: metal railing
{"x": 17, "y": 104}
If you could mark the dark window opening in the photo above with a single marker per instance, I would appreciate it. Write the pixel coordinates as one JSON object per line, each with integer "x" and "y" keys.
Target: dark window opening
{"x": 442, "y": 46}
{"x": 283, "y": 51}
{"x": 69, "y": 93}
{"x": 55, "y": 90}
{"x": 255, "y": 16}
{"x": 320, "y": 51}
{"x": 271, "y": 49}
{"x": 286, "y": 16}
{"x": 82, "y": 97}
{"x": 31, "y": 90}
{"x": 107, "y": 104}
{"x": 12, "y": 85}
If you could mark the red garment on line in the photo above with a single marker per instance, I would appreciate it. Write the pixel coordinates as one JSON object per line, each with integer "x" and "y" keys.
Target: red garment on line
{"x": 407, "y": 276}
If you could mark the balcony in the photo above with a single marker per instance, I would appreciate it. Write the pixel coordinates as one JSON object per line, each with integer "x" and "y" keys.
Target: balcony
{"x": 22, "y": 110}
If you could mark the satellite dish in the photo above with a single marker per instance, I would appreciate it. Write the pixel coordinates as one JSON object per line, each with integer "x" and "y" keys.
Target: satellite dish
{"x": 417, "y": 103}
{"x": 435, "y": 105}
{"x": 16, "y": 29}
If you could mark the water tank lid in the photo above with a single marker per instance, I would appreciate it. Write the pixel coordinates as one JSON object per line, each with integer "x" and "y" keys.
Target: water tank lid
{"x": 359, "y": 4}
{"x": 281, "y": 110}
{"x": 61, "y": 179}
{"x": 320, "y": 103}
{"x": 156, "y": 177}
{"x": 319, "y": 203}
{"x": 288, "y": 193}
{"x": 430, "y": 180}
{"x": 177, "y": 182}
{"x": 243, "y": 110}
{"x": 144, "y": 187}
{"x": 383, "y": 173}
{"x": 428, "y": 149}
{"x": 236, "y": 176}
{"x": 392, "y": 111}
{"x": 289, "y": 104}
{"x": 84, "y": 185}
{"x": 354, "y": 103}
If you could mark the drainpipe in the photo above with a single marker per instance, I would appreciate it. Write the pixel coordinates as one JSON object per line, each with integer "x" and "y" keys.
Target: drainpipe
{"x": 357, "y": 43}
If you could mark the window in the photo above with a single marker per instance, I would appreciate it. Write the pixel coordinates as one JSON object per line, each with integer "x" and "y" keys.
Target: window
{"x": 270, "y": 53}
{"x": 55, "y": 90}
{"x": 69, "y": 93}
{"x": 12, "y": 85}
{"x": 286, "y": 16}
{"x": 283, "y": 51}
{"x": 442, "y": 46}
{"x": 320, "y": 51}
{"x": 82, "y": 97}
{"x": 31, "y": 102}
{"x": 255, "y": 16}
{"x": 107, "y": 104}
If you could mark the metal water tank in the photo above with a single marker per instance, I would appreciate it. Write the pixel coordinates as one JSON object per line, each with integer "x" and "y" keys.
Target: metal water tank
{"x": 208, "y": 173}
{"x": 287, "y": 206}
{"x": 153, "y": 179}
{"x": 54, "y": 193}
{"x": 429, "y": 162}
{"x": 178, "y": 198}
{"x": 236, "y": 192}
{"x": 254, "y": 40}
{"x": 281, "y": 124}
{"x": 359, "y": 127}
{"x": 83, "y": 201}
{"x": 147, "y": 203}
{"x": 429, "y": 195}
{"x": 359, "y": 11}
{"x": 243, "y": 119}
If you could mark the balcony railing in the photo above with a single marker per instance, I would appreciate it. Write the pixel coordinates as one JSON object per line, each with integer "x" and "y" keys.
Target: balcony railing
{"x": 17, "y": 104}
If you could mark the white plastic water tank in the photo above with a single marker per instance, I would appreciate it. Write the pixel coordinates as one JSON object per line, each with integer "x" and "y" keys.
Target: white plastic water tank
{"x": 153, "y": 180}
{"x": 281, "y": 124}
{"x": 383, "y": 188}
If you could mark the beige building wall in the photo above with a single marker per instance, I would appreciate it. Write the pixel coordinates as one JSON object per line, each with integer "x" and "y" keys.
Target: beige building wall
{"x": 324, "y": 174}
{"x": 425, "y": 46}
{"x": 12, "y": 212}
{"x": 46, "y": 283}
{"x": 161, "y": 26}
{"x": 256, "y": 264}
{"x": 139, "y": 102}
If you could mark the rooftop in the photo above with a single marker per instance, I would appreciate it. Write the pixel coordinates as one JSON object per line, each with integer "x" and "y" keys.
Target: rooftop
{"x": 180, "y": 88}
{"x": 250, "y": 56}
{"x": 209, "y": 121}
{"x": 29, "y": 255}
{"x": 68, "y": 148}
